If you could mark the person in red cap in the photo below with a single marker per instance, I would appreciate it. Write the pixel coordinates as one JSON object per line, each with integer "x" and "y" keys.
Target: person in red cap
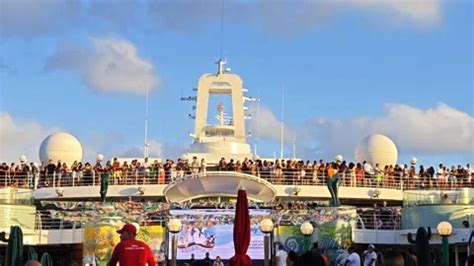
{"x": 131, "y": 252}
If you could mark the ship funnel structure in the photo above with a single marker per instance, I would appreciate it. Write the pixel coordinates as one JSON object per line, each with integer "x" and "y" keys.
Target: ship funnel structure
{"x": 227, "y": 137}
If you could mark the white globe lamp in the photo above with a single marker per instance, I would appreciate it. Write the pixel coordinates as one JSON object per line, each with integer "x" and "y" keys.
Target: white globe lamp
{"x": 339, "y": 158}
{"x": 307, "y": 228}
{"x": 266, "y": 226}
{"x": 413, "y": 160}
{"x": 100, "y": 157}
{"x": 23, "y": 159}
{"x": 444, "y": 228}
{"x": 174, "y": 226}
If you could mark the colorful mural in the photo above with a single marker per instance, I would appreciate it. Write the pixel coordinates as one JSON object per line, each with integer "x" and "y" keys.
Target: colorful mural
{"x": 100, "y": 240}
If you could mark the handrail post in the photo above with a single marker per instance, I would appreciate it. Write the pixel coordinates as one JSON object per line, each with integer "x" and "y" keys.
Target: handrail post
{"x": 54, "y": 179}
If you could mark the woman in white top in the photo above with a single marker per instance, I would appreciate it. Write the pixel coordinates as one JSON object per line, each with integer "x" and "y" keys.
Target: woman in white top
{"x": 218, "y": 262}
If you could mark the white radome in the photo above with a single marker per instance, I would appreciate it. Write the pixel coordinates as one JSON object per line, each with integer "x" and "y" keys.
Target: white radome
{"x": 377, "y": 149}
{"x": 60, "y": 146}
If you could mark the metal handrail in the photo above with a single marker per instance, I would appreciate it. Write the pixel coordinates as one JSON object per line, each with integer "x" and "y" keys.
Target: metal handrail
{"x": 286, "y": 177}
{"x": 387, "y": 218}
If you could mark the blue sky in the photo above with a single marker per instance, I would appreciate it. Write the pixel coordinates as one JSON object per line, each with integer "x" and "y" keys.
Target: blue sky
{"x": 348, "y": 69}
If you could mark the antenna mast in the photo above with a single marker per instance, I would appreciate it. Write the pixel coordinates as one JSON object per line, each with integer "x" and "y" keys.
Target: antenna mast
{"x": 282, "y": 125}
{"x": 145, "y": 147}
{"x": 221, "y": 44}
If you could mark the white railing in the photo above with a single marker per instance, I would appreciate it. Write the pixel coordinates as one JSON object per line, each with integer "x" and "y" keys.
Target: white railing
{"x": 287, "y": 177}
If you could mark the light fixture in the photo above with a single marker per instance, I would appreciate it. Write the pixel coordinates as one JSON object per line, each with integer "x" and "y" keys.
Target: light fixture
{"x": 23, "y": 159}
{"x": 296, "y": 191}
{"x": 100, "y": 157}
{"x": 60, "y": 192}
{"x": 306, "y": 228}
{"x": 174, "y": 226}
{"x": 444, "y": 229}
{"x": 339, "y": 158}
{"x": 413, "y": 160}
{"x": 376, "y": 193}
{"x": 266, "y": 226}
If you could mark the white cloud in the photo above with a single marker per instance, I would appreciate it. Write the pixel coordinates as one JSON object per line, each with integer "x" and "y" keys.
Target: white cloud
{"x": 30, "y": 18}
{"x": 418, "y": 11}
{"x": 265, "y": 124}
{"x": 285, "y": 17}
{"x": 19, "y": 137}
{"x": 111, "y": 65}
{"x": 438, "y": 130}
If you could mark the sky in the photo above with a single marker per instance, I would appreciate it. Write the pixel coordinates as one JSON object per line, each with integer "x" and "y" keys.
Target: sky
{"x": 333, "y": 71}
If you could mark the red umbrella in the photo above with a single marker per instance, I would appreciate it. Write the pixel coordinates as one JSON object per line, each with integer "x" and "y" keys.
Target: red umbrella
{"x": 241, "y": 231}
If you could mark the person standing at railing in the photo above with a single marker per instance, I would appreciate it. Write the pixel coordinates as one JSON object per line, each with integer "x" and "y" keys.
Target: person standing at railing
{"x": 378, "y": 175}
{"x": 468, "y": 171}
{"x": 412, "y": 177}
{"x": 180, "y": 168}
{"x": 66, "y": 175}
{"x": 74, "y": 173}
{"x": 50, "y": 171}
{"x": 203, "y": 166}
{"x": 97, "y": 170}
{"x": 452, "y": 177}
{"x": 87, "y": 171}
{"x": 117, "y": 171}
{"x": 222, "y": 164}
{"x": 195, "y": 166}
{"x": 34, "y": 173}
{"x": 440, "y": 176}
{"x": 58, "y": 172}
{"x": 359, "y": 172}
{"x": 351, "y": 174}
{"x": 161, "y": 174}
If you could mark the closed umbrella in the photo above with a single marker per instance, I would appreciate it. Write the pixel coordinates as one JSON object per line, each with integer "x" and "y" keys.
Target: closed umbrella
{"x": 46, "y": 260}
{"x": 14, "y": 252}
{"x": 31, "y": 253}
{"x": 241, "y": 231}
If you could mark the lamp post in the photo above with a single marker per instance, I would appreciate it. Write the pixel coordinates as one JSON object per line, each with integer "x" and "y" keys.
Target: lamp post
{"x": 266, "y": 226}
{"x": 445, "y": 229}
{"x": 174, "y": 226}
{"x": 307, "y": 230}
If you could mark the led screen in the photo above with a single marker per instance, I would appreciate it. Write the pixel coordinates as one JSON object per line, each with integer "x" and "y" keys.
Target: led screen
{"x": 211, "y": 231}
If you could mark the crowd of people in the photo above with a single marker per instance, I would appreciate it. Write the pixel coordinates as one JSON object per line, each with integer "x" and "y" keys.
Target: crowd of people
{"x": 348, "y": 257}
{"x": 294, "y": 172}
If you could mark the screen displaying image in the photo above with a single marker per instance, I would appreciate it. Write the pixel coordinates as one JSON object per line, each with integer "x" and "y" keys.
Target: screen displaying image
{"x": 212, "y": 231}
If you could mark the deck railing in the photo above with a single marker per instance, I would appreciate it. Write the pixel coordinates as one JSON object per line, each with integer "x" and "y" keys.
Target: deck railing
{"x": 293, "y": 178}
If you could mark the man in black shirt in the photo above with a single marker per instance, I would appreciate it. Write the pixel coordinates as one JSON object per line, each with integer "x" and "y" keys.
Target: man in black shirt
{"x": 207, "y": 261}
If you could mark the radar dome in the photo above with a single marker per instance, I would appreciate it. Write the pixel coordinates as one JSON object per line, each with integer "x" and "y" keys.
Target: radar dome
{"x": 60, "y": 146}
{"x": 377, "y": 149}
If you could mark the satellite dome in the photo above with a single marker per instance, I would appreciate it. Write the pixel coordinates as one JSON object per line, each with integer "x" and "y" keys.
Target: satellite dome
{"x": 377, "y": 149}
{"x": 60, "y": 146}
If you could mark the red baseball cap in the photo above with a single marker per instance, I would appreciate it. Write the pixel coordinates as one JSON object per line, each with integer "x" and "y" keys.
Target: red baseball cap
{"x": 128, "y": 228}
